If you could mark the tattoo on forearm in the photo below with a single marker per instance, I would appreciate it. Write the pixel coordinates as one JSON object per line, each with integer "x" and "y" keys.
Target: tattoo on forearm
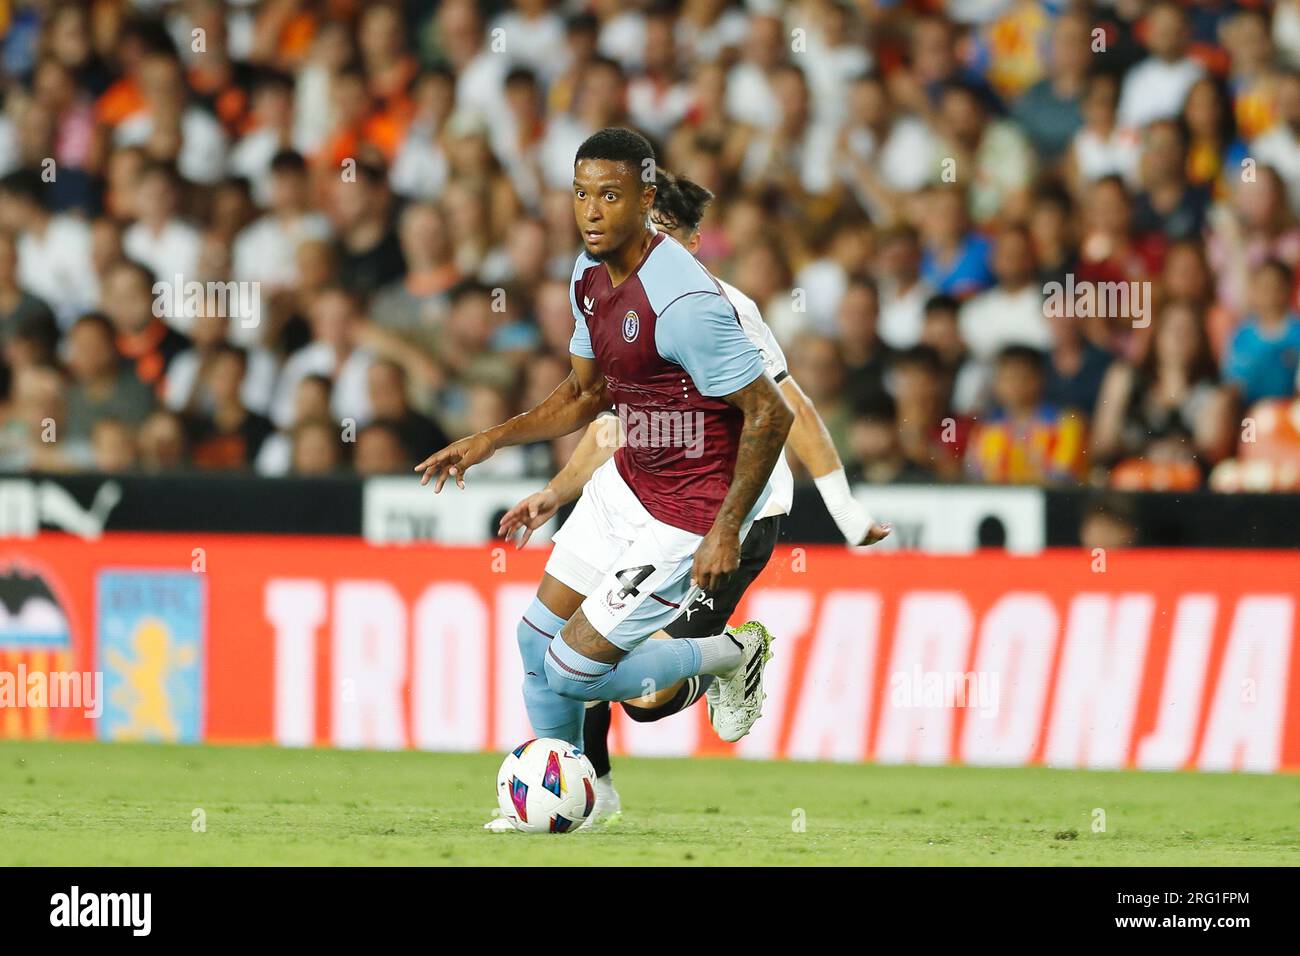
{"x": 767, "y": 422}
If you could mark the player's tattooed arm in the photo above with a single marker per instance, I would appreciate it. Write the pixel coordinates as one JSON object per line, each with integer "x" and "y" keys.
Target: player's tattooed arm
{"x": 767, "y": 423}
{"x": 574, "y": 404}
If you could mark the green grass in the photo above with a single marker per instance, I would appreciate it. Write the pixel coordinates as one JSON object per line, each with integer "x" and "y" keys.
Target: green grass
{"x": 120, "y": 804}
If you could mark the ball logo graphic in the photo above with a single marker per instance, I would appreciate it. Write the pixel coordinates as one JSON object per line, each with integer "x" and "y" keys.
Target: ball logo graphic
{"x": 631, "y": 326}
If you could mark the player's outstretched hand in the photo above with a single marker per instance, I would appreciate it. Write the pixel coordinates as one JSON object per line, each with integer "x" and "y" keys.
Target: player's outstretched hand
{"x": 454, "y": 460}
{"x": 529, "y": 515}
{"x": 717, "y": 556}
{"x": 877, "y": 532}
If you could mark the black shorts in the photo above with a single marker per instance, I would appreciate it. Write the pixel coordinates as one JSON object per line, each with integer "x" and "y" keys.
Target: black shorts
{"x": 708, "y": 614}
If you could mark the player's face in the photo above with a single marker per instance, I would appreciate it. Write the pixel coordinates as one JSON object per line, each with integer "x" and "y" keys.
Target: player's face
{"x": 610, "y": 204}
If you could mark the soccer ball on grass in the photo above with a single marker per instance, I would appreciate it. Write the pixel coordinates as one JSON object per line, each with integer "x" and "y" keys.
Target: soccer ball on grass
{"x": 546, "y": 786}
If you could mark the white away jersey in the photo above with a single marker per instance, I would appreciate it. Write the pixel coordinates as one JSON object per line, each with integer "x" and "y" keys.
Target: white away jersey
{"x": 751, "y": 321}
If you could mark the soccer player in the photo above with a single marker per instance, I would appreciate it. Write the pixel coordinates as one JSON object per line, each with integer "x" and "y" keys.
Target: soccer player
{"x": 654, "y": 336}
{"x": 678, "y": 210}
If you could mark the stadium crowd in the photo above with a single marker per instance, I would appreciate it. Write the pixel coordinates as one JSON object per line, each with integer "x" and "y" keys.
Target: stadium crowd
{"x": 381, "y": 194}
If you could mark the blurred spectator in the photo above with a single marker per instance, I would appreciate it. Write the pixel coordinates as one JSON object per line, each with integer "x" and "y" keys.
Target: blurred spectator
{"x": 903, "y": 293}
{"x": 882, "y": 154}
{"x": 112, "y": 443}
{"x": 1279, "y": 146}
{"x": 955, "y": 258}
{"x": 1173, "y": 392}
{"x": 183, "y": 394}
{"x": 875, "y": 453}
{"x": 1053, "y": 234}
{"x": 1075, "y": 367}
{"x": 865, "y": 357}
{"x": 931, "y": 436}
{"x": 998, "y": 160}
{"x": 818, "y": 365}
{"x": 1263, "y": 354}
{"x": 311, "y": 402}
{"x": 266, "y": 251}
{"x": 317, "y": 448}
{"x": 1109, "y": 522}
{"x": 18, "y": 308}
{"x": 369, "y": 254}
{"x": 159, "y": 238}
{"x": 418, "y": 434}
{"x": 1156, "y": 87}
{"x": 161, "y": 442}
{"x": 380, "y": 451}
{"x": 1012, "y": 312}
{"x": 142, "y": 337}
{"x": 54, "y": 261}
{"x": 1167, "y": 203}
{"x": 332, "y": 353}
{"x": 1102, "y": 147}
{"x": 101, "y": 387}
{"x": 1050, "y": 111}
{"x": 1026, "y": 440}
{"x": 229, "y": 436}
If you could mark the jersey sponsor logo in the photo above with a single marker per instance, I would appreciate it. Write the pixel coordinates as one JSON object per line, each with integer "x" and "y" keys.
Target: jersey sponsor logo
{"x": 631, "y": 326}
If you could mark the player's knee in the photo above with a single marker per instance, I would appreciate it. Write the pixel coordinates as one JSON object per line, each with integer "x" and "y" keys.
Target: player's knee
{"x": 567, "y": 684}
{"x": 533, "y": 634}
{"x": 532, "y": 646}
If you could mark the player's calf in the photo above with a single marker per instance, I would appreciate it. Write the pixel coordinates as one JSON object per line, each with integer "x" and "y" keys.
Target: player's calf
{"x": 577, "y": 675}
{"x": 551, "y": 716}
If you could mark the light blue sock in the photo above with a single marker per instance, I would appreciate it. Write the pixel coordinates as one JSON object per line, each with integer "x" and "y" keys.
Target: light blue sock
{"x": 653, "y": 665}
{"x": 550, "y": 714}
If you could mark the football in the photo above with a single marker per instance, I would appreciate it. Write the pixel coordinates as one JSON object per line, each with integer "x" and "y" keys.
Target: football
{"x": 546, "y": 786}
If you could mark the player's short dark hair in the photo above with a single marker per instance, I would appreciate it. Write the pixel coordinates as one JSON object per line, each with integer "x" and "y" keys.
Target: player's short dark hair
{"x": 679, "y": 201}
{"x": 618, "y": 145}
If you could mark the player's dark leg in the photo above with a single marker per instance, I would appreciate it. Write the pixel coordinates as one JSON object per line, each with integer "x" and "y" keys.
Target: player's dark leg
{"x": 672, "y": 701}
{"x": 595, "y": 736}
{"x": 550, "y": 714}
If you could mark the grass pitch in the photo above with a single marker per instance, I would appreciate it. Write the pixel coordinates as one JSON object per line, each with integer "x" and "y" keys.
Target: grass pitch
{"x": 78, "y": 804}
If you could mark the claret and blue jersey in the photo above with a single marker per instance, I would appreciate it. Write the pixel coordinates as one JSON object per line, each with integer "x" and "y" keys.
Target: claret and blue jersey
{"x": 669, "y": 341}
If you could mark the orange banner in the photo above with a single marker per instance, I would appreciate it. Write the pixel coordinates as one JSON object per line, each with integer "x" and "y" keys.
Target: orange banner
{"x": 1178, "y": 659}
